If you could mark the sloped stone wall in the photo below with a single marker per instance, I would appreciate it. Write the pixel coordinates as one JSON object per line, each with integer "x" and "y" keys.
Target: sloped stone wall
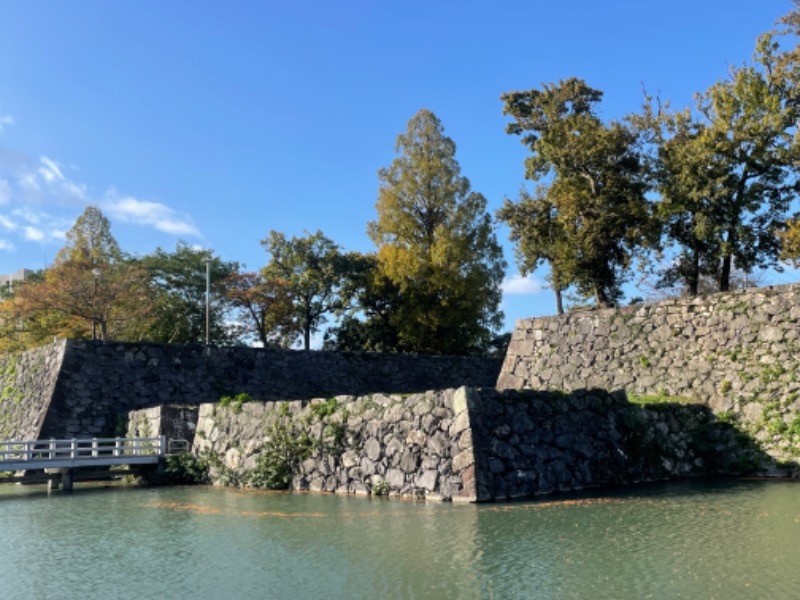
{"x": 739, "y": 353}
{"x": 27, "y": 384}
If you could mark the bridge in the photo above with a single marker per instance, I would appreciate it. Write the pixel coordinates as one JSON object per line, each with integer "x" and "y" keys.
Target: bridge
{"x": 60, "y": 459}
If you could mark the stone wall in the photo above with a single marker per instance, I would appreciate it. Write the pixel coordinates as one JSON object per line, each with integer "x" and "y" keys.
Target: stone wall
{"x": 739, "y": 353}
{"x": 100, "y": 382}
{"x": 27, "y": 381}
{"x": 474, "y": 445}
{"x": 530, "y": 443}
{"x": 414, "y": 444}
{"x": 175, "y": 422}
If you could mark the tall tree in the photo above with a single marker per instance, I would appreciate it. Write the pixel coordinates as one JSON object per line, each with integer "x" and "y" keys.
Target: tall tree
{"x": 309, "y": 266}
{"x": 108, "y": 302}
{"x": 540, "y": 237}
{"x": 726, "y": 171}
{"x": 369, "y": 301}
{"x": 265, "y": 306}
{"x": 89, "y": 240}
{"x": 594, "y": 202}
{"x": 179, "y": 278}
{"x": 436, "y": 245}
{"x": 90, "y": 291}
{"x": 790, "y": 250}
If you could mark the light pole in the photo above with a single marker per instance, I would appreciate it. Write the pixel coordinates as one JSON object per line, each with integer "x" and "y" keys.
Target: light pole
{"x": 208, "y": 299}
{"x": 96, "y": 273}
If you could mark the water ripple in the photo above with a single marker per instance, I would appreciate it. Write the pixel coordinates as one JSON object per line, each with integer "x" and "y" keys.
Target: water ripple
{"x": 726, "y": 540}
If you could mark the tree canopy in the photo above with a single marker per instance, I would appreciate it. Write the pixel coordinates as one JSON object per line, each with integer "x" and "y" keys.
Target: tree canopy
{"x": 90, "y": 291}
{"x": 726, "y": 170}
{"x": 265, "y": 305}
{"x": 590, "y": 215}
{"x": 309, "y": 267}
{"x": 179, "y": 279}
{"x": 436, "y": 246}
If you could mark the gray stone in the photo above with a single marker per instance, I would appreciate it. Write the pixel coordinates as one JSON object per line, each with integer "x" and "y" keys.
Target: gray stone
{"x": 409, "y": 461}
{"x": 372, "y": 449}
{"x": 395, "y": 478}
{"x": 428, "y": 480}
{"x": 463, "y": 460}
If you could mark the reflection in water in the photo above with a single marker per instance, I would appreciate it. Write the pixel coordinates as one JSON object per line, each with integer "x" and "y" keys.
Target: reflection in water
{"x": 720, "y": 540}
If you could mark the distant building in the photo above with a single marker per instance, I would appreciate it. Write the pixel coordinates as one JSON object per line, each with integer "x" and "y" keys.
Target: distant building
{"x": 20, "y": 275}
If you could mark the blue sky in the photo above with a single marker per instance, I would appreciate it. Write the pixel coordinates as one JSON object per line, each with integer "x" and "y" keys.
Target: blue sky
{"x": 215, "y": 122}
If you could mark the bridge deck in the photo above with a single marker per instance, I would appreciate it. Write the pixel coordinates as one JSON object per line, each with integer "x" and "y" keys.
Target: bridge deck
{"x": 26, "y": 455}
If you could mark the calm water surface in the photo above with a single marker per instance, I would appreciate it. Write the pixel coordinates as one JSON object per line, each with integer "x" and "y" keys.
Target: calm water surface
{"x": 699, "y": 540}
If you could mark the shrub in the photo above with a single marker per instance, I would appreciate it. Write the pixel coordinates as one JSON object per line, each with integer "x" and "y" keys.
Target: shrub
{"x": 286, "y": 449}
{"x": 182, "y": 469}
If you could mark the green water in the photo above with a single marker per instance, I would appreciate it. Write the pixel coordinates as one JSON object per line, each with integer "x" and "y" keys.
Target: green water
{"x": 722, "y": 540}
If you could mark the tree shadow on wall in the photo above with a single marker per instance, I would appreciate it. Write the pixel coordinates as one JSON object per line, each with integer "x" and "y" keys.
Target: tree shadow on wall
{"x": 672, "y": 437}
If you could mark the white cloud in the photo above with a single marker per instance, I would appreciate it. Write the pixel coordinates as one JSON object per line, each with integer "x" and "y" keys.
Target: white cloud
{"x": 35, "y": 226}
{"x": 49, "y": 170}
{"x": 7, "y": 223}
{"x": 518, "y": 285}
{"x": 41, "y": 200}
{"x": 6, "y": 245}
{"x": 144, "y": 212}
{"x": 5, "y": 120}
{"x": 30, "y": 186}
{"x": 5, "y": 192}
{"x": 26, "y": 214}
{"x": 34, "y": 234}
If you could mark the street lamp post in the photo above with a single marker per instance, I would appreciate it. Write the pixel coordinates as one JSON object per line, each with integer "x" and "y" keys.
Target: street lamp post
{"x": 208, "y": 300}
{"x": 96, "y": 273}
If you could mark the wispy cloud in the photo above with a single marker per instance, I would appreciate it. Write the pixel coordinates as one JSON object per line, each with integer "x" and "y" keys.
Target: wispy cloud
{"x": 34, "y": 190}
{"x": 5, "y": 192}
{"x": 519, "y": 285}
{"x": 49, "y": 170}
{"x": 6, "y": 245}
{"x": 144, "y": 212}
{"x": 33, "y": 226}
{"x": 7, "y": 223}
{"x": 5, "y": 120}
{"x": 34, "y": 234}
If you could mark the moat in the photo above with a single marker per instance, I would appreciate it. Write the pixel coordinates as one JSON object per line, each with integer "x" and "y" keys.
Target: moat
{"x": 721, "y": 539}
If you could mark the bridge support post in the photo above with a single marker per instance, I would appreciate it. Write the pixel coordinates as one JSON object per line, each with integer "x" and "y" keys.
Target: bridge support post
{"x": 65, "y": 481}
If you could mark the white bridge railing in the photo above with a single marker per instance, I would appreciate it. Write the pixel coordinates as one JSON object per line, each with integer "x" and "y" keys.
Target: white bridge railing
{"x": 39, "y": 454}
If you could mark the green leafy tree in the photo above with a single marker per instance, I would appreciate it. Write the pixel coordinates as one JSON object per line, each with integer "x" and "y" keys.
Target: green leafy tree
{"x": 540, "y": 237}
{"x": 436, "y": 246}
{"x": 726, "y": 171}
{"x": 592, "y": 203}
{"x": 790, "y": 250}
{"x": 310, "y": 267}
{"x": 179, "y": 278}
{"x": 265, "y": 306}
{"x": 368, "y": 303}
{"x": 91, "y": 290}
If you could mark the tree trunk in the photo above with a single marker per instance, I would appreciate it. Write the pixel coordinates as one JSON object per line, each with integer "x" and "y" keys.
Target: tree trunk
{"x": 559, "y": 301}
{"x": 693, "y": 274}
{"x": 725, "y": 274}
{"x": 602, "y": 299}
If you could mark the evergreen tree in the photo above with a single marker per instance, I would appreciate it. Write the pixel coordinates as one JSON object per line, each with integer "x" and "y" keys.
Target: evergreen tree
{"x": 436, "y": 246}
{"x": 726, "y": 170}
{"x": 590, "y": 216}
